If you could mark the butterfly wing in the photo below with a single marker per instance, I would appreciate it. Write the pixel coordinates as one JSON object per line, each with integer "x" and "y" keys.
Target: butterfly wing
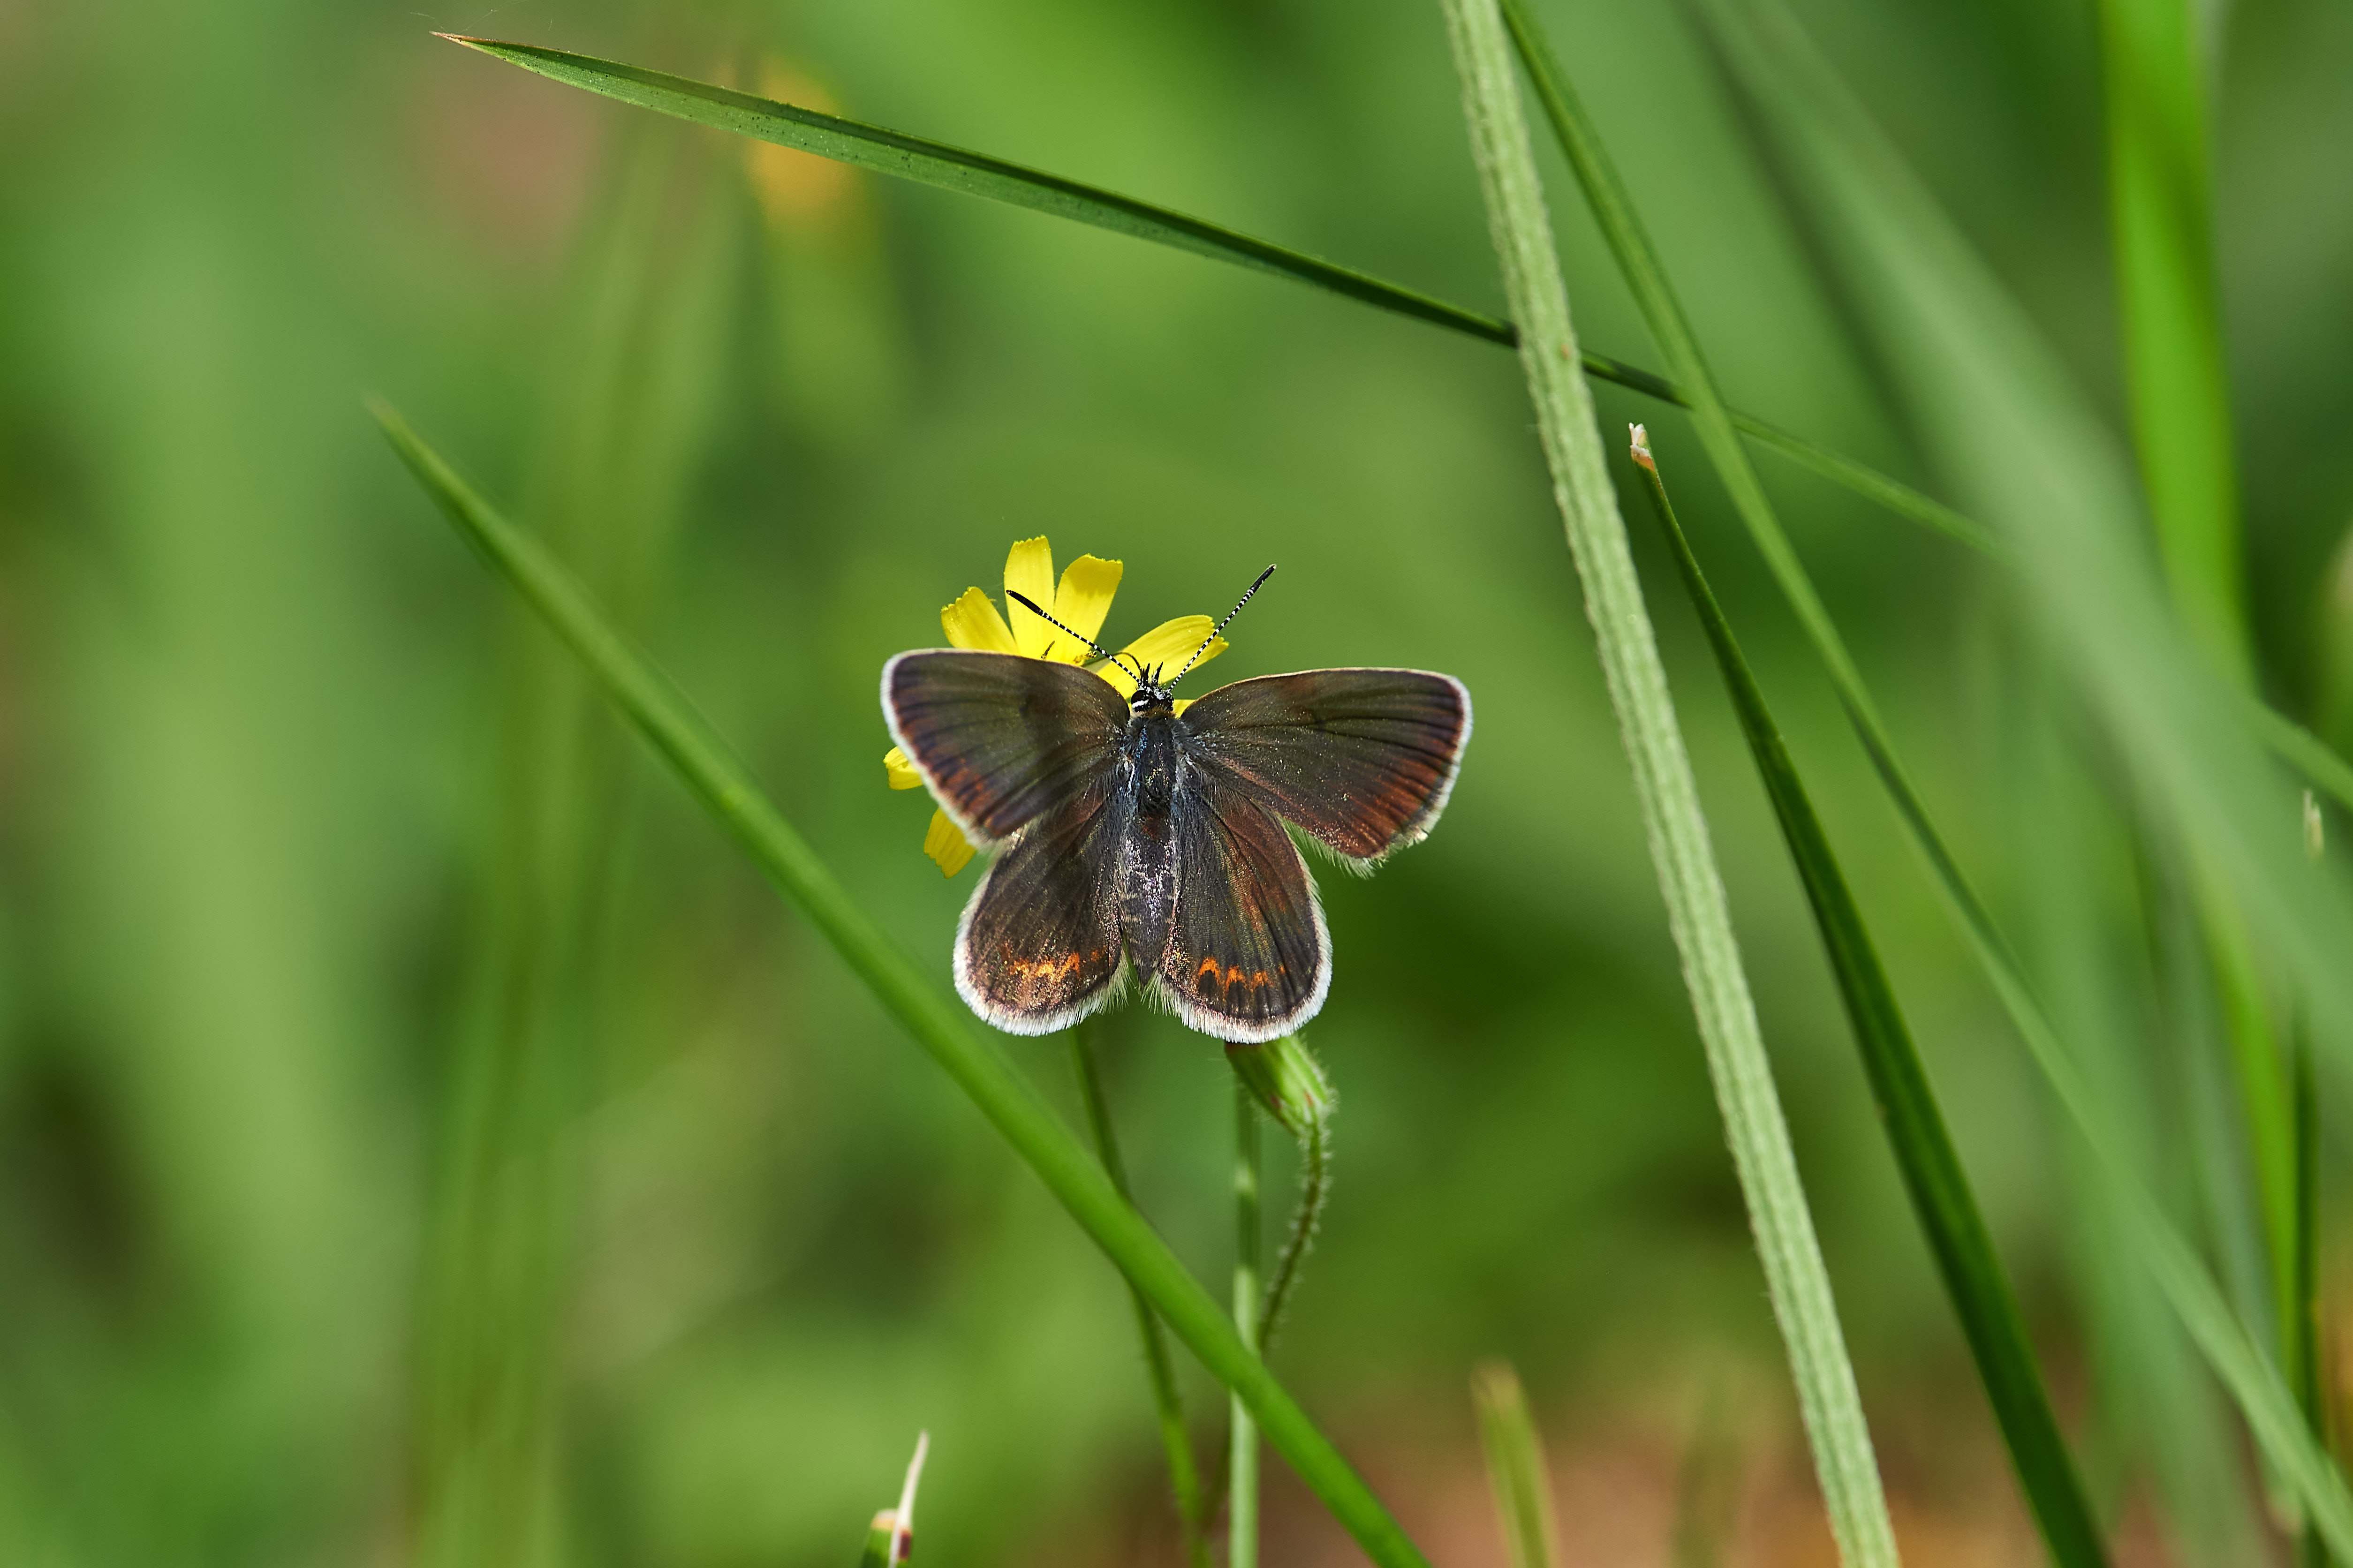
{"x": 1248, "y": 957}
{"x": 1039, "y": 946}
{"x": 1361, "y": 759}
{"x": 999, "y": 739}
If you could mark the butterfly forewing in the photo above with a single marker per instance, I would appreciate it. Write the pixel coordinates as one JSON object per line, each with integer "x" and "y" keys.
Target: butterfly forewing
{"x": 1000, "y": 739}
{"x": 1361, "y": 759}
{"x": 1039, "y": 945}
{"x": 1247, "y": 957}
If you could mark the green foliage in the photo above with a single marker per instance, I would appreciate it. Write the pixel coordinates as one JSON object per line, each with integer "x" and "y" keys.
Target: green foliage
{"x": 315, "y": 1250}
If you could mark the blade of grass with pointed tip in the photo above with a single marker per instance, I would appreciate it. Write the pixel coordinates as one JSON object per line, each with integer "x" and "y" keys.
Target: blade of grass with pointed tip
{"x": 938, "y": 1024}
{"x": 937, "y": 164}
{"x": 1517, "y": 1472}
{"x": 894, "y": 152}
{"x": 1797, "y": 1281}
{"x": 2003, "y": 416}
{"x": 1939, "y": 1188}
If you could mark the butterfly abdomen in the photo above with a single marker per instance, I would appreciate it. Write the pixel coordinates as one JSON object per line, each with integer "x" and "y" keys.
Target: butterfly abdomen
{"x": 1148, "y": 883}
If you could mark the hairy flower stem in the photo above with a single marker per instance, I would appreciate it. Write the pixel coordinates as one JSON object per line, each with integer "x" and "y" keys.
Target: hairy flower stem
{"x": 1184, "y": 1477}
{"x": 1795, "y": 1277}
{"x": 1242, "y": 1512}
{"x": 1315, "y": 1190}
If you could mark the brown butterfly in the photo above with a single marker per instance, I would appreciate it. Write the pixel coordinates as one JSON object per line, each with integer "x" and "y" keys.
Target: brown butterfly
{"x": 1132, "y": 834}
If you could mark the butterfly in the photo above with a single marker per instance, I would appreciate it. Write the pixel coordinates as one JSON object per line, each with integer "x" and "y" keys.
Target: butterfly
{"x": 1131, "y": 836}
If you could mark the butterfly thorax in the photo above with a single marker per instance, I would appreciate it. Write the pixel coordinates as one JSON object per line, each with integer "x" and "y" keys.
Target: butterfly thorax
{"x": 1153, "y": 755}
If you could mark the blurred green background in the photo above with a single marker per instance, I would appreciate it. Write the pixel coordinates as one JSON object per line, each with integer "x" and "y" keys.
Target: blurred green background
{"x": 422, "y": 1139}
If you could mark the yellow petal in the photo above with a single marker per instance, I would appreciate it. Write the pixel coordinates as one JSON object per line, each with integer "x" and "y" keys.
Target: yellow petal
{"x": 973, "y": 622}
{"x": 899, "y": 771}
{"x": 1082, "y": 602}
{"x": 1170, "y": 643}
{"x": 946, "y": 845}
{"x": 1029, "y": 570}
{"x": 1183, "y": 703}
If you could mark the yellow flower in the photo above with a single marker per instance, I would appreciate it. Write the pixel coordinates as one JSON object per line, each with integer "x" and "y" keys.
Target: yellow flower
{"x": 1079, "y": 603}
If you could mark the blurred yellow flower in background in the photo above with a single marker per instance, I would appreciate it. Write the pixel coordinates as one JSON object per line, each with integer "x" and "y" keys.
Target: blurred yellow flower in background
{"x": 1079, "y": 602}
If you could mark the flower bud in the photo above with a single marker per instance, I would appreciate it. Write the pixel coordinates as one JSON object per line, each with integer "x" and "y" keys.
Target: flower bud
{"x": 1284, "y": 1076}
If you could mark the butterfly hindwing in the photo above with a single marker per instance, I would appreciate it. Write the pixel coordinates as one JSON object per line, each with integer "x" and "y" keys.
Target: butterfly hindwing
{"x": 1039, "y": 947}
{"x": 1247, "y": 956}
{"x": 1361, "y": 759}
{"x": 1000, "y": 739}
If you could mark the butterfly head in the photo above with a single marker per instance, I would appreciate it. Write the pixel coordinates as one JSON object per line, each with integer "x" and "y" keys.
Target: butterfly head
{"x": 1152, "y": 693}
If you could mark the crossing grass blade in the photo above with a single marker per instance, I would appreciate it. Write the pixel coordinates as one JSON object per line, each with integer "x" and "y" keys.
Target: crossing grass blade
{"x": 936, "y": 163}
{"x": 703, "y": 762}
{"x": 2003, "y": 417}
{"x": 1932, "y": 1175}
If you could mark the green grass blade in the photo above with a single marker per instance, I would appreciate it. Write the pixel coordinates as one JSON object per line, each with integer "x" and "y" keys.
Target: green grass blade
{"x": 2160, "y": 206}
{"x": 1517, "y": 1472}
{"x": 2003, "y": 415}
{"x": 894, "y": 152}
{"x": 1684, "y": 860}
{"x": 1932, "y": 1175}
{"x": 1168, "y": 1405}
{"x": 936, "y": 163}
{"x": 2305, "y": 1346}
{"x": 938, "y": 1024}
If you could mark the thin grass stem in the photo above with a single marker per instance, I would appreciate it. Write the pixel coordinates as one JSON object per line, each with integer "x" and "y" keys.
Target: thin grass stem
{"x": 1933, "y": 1174}
{"x": 1167, "y": 1403}
{"x": 1241, "y": 1486}
{"x": 1795, "y": 1279}
{"x": 938, "y": 1023}
{"x": 1517, "y": 1472}
{"x": 2311, "y": 1550}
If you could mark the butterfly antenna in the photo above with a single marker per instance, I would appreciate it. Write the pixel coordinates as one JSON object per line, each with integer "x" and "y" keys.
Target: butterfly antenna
{"x": 1213, "y": 636}
{"x": 1029, "y": 604}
